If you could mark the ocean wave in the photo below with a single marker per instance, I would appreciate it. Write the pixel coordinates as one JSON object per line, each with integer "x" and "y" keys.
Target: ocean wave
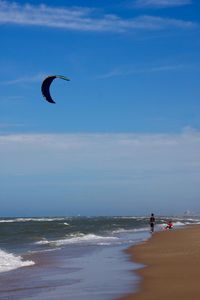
{"x": 91, "y": 238}
{"x": 194, "y": 223}
{"x": 42, "y": 242}
{"x": 125, "y": 217}
{"x": 31, "y": 220}
{"x": 9, "y": 261}
{"x": 123, "y": 230}
{"x": 77, "y": 238}
{"x": 44, "y": 250}
{"x": 189, "y": 219}
{"x": 178, "y": 223}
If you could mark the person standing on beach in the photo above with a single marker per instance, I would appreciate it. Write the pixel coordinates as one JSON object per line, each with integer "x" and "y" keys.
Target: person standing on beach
{"x": 152, "y": 222}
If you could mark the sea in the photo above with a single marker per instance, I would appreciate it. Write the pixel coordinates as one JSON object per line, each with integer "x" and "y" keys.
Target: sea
{"x": 61, "y": 258}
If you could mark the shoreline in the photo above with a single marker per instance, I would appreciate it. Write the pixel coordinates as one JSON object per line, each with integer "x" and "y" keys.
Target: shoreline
{"x": 65, "y": 274}
{"x": 171, "y": 261}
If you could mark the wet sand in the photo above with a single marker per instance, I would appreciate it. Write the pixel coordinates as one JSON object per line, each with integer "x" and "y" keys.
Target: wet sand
{"x": 70, "y": 273}
{"x": 172, "y": 265}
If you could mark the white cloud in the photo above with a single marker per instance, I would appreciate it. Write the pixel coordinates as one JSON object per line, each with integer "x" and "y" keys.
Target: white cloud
{"x": 161, "y": 3}
{"x": 124, "y": 71}
{"x": 81, "y": 19}
{"x": 25, "y": 79}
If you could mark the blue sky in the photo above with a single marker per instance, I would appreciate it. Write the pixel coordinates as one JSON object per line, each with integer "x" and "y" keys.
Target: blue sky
{"x": 124, "y": 134}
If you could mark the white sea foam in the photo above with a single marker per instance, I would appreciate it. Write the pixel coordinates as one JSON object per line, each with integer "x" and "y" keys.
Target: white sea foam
{"x": 104, "y": 244}
{"x": 179, "y": 224}
{"x": 9, "y": 261}
{"x": 91, "y": 238}
{"x": 125, "y": 217}
{"x": 122, "y": 230}
{"x": 79, "y": 238}
{"x": 192, "y": 220}
{"x": 31, "y": 220}
{"x": 42, "y": 242}
{"x": 45, "y": 250}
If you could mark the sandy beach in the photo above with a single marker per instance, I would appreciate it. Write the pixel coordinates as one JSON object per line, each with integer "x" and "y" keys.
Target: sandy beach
{"x": 172, "y": 265}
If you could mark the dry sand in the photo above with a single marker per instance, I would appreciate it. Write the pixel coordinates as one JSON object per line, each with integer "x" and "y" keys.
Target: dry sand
{"x": 172, "y": 260}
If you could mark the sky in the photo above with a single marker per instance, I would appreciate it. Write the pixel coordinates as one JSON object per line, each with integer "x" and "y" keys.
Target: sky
{"x": 124, "y": 135}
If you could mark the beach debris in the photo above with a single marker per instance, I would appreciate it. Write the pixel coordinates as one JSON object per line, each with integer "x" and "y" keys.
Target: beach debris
{"x": 45, "y": 88}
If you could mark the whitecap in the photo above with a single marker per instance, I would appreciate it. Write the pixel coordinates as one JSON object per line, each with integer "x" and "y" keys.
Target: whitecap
{"x": 9, "y": 261}
{"x": 46, "y": 219}
{"x": 121, "y": 230}
{"x": 83, "y": 238}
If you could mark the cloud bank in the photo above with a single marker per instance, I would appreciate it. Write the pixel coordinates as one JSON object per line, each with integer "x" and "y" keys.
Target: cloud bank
{"x": 96, "y": 172}
{"x": 128, "y": 155}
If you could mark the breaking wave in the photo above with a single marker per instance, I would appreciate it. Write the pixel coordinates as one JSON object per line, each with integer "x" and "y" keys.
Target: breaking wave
{"x": 9, "y": 261}
{"x": 80, "y": 238}
{"x": 31, "y": 220}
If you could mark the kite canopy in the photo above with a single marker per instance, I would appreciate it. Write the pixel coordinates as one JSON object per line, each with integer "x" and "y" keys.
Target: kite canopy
{"x": 45, "y": 88}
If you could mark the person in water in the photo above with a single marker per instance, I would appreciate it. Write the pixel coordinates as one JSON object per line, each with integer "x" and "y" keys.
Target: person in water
{"x": 169, "y": 225}
{"x": 152, "y": 222}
